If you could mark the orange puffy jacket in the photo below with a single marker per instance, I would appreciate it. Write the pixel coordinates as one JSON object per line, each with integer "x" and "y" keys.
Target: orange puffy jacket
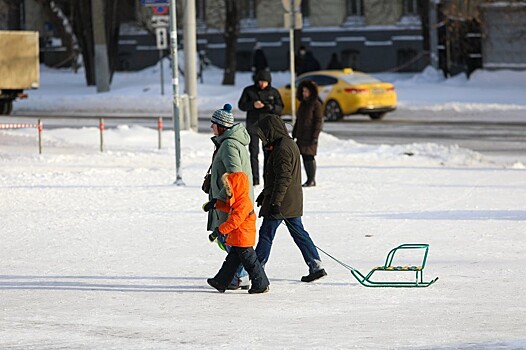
{"x": 240, "y": 226}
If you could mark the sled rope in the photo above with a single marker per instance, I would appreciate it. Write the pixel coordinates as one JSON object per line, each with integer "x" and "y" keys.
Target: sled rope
{"x": 365, "y": 280}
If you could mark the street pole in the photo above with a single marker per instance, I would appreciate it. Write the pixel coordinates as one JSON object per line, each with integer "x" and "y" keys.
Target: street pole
{"x": 190, "y": 49}
{"x": 292, "y": 63}
{"x": 162, "y": 70}
{"x": 175, "y": 91}
{"x": 433, "y": 36}
{"x": 102, "y": 75}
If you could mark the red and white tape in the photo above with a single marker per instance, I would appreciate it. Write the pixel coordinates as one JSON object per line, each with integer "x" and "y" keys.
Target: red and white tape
{"x": 18, "y": 126}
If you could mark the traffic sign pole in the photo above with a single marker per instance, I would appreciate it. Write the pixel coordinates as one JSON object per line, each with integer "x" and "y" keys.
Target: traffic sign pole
{"x": 175, "y": 90}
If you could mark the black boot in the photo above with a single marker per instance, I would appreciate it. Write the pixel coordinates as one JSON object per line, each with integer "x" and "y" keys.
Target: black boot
{"x": 310, "y": 169}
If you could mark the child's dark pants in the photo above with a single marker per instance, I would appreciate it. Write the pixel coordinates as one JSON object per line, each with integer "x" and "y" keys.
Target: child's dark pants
{"x": 248, "y": 258}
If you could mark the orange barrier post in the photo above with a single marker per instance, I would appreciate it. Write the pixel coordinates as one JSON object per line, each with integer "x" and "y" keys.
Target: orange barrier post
{"x": 160, "y": 130}
{"x": 40, "y": 127}
{"x": 101, "y": 128}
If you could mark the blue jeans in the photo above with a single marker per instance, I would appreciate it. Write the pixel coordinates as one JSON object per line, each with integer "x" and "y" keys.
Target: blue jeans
{"x": 267, "y": 231}
{"x": 240, "y": 272}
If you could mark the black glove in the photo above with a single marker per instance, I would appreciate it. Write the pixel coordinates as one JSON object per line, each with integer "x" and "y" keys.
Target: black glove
{"x": 314, "y": 141}
{"x": 275, "y": 210}
{"x": 213, "y": 236}
{"x": 259, "y": 200}
{"x": 211, "y": 204}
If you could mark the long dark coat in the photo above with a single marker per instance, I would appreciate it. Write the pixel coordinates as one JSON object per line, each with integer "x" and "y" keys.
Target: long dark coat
{"x": 282, "y": 170}
{"x": 309, "y": 120}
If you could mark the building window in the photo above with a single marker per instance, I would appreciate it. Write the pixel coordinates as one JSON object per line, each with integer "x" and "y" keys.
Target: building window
{"x": 354, "y": 13}
{"x": 407, "y": 60}
{"x": 305, "y": 12}
{"x": 410, "y": 13}
{"x": 248, "y": 14}
{"x": 410, "y": 8}
{"x": 200, "y": 9}
{"x": 351, "y": 59}
{"x": 354, "y": 8}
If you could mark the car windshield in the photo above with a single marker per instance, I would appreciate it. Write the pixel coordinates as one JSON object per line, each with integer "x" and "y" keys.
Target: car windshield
{"x": 354, "y": 79}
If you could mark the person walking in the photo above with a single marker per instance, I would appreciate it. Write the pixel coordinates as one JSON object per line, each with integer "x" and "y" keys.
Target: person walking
{"x": 257, "y": 100}
{"x": 259, "y": 61}
{"x": 230, "y": 155}
{"x": 334, "y": 63}
{"x": 282, "y": 196}
{"x": 240, "y": 229}
{"x": 309, "y": 121}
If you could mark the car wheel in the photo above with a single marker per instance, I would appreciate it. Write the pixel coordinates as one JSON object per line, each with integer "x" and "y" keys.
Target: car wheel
{"x": 376, "y": 115}
{"x": 333, "y": 111}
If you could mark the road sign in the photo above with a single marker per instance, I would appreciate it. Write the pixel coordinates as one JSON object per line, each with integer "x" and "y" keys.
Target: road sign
{"x": 160, "y": 21}
{"x": 161, "y": 35}
{"x": 155, "y": 3}
{"x": 160, "y": 10}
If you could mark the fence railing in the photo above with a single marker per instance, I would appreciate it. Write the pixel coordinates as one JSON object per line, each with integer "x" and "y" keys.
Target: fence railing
{"x": 39, "y": 126}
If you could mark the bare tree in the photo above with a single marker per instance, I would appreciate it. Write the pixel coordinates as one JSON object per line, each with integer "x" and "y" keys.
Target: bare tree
{"x": 72, "y": 20}
{"x": 232, "y": 11}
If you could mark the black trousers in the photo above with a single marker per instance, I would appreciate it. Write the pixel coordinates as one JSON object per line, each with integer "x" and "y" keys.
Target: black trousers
{"x": 253, "y": 149}
{"x": 248, "y": 258}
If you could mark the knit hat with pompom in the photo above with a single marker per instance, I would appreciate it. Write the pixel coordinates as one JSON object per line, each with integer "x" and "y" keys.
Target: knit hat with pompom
{"x": 224, "y": 117}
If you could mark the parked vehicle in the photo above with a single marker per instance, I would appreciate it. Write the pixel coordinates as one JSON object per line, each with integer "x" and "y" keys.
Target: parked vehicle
{"x": 19, "y": 66}
{"x": 345, "y": 92}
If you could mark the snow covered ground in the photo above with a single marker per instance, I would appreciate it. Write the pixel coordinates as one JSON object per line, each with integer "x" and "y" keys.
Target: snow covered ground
{"x": 102, "y": 251}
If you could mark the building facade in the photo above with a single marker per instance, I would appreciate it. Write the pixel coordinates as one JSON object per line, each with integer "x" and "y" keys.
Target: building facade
{"x": 366, "y": 35}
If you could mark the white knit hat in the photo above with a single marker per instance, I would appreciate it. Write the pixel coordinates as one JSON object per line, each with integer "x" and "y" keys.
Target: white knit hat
{"x": 223, "y": 117}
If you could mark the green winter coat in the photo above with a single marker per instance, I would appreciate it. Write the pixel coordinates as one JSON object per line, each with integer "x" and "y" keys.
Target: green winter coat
{"x": 232, "y": 155}
{"x": 282, "y": 170}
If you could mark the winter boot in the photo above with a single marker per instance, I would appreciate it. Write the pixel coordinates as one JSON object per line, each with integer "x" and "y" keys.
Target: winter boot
{"x": 310, "y": 169}
{"x": 213, "y": 283}
{"x": 314, "y": 276}
{"x": 258, "y": 290}
{"x": 239, "y": 283}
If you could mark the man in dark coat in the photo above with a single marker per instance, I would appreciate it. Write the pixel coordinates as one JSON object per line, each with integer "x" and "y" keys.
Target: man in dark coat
{"x": 259, "y": 61}
{"x": 282, "y": 196}
{"x": 257, "y": 100}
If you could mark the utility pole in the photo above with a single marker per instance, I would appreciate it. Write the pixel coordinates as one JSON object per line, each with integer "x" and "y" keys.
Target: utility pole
{"x": 175, "y": 91}
{"x": 190, "y": 49}
{"x": 293, "y": 21}
{"x": 433, "y": 33}
{"x": 102, "y": 71}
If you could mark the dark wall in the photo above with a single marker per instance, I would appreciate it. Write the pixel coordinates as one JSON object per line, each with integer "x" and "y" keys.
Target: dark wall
{"x": 365, "y": 50}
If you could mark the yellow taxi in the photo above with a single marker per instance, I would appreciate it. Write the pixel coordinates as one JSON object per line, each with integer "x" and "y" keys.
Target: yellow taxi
{"x": 345, "y": 92}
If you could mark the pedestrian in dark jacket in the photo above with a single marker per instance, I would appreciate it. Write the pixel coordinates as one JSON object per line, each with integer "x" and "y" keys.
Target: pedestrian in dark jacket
{"x": 282, "y": 196}
{"x": 309, "y": 121}
{"x": 257, "y": 100}
{"x": 259, "y": 61}
{"x": 240, "y": 229}
{"x": 309, "y": 63}
{"x": 334, "y": 63}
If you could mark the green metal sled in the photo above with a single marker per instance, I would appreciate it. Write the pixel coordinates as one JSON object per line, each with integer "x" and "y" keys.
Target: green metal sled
{"x": 365, "y": 280}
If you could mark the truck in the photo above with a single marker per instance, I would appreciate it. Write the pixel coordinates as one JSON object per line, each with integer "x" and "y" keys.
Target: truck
{"x": 19, "y": 66}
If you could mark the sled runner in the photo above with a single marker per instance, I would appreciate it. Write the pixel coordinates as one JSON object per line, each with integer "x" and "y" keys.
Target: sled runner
{"x": 388, "y": 266}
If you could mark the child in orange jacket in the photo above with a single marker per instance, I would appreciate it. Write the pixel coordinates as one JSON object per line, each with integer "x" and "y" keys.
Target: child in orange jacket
{"x": 240, "y": 228}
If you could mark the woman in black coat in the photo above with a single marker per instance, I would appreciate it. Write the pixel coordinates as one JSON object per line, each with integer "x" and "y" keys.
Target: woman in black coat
{"x": 309, "y": 120}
